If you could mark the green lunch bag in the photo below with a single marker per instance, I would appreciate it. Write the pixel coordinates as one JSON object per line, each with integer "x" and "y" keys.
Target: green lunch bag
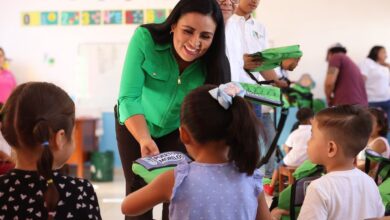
{"x": 291, "y": 198}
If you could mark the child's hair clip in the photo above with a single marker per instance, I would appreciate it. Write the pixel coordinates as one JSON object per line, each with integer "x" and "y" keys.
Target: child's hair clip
{"x": 225, "y": 93}
{"x": 45, "y": 144}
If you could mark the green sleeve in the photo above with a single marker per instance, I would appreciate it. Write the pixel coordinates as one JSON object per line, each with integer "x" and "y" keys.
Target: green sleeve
{"x": 132, "y": 81}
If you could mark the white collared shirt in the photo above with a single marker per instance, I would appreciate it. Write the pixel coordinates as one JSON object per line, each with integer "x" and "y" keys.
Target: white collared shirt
{"x": 243, "y": 36}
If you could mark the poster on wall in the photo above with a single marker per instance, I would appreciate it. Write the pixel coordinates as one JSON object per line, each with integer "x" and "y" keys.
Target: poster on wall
{"x": 91, "y": 18}
{"x": 49, "y": 18}
{"x": 112, "y": 17}
{"x": 134, "y": 17}
{"x": 70, "y": 18}
{"x": 155, "y": 15}
{"x": 31, "y": 18}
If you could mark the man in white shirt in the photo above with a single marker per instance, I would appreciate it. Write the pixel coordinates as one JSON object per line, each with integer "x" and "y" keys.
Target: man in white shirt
{"x": 244, "y": 36}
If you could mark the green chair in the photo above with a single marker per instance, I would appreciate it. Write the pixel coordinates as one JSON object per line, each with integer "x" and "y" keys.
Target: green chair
{"x": 382, "y": 175}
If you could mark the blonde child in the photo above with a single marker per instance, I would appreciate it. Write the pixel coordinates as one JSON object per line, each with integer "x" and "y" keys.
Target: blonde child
{"x": 38, "y": 121}
{"x": 220, "y": 131}
{"x": 338, "y": 135}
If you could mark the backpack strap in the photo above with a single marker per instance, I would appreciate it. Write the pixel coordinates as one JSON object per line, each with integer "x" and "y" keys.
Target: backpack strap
{"x": 282, "y": 122}
{"x": 311, "y": 177}
{"x": 292, "y": 200}
{"x": 264, "y": 82}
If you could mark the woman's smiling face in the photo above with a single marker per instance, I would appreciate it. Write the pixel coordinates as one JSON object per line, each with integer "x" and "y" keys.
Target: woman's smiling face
{"x": 193, "y": 35}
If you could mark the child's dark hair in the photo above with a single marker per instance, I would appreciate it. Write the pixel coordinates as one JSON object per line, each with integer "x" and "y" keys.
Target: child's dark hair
{"x": 208, "y": 121}
{"x": 381, "y": 120}
{"x": 304, "y": 115}
{"x": 32, "y": 115}
{"x": 348, "y": 125}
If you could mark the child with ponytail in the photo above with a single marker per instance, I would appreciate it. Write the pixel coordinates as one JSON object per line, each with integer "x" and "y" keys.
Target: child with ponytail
{"x": 37, "y": 122}
{"x": 220, "y": 131}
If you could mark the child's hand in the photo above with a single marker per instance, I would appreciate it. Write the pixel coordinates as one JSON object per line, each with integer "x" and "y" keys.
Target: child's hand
{"x": 250, "y": 62}
{"x": 277, "y": 213}
{"x": 148, "y": 148}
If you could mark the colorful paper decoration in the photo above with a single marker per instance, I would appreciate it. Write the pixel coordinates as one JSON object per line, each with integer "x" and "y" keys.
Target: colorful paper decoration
{"x": 134, "y": 17}
{"x": 112, "y": 17}
{"x": 94, "y": 17}
{"x": 49, "y": 18}
{"x": 31, "y": 19}
{"x": 70, "y": 18}
{"x": 155, "y": 15}
{"x": 91, "y": 18}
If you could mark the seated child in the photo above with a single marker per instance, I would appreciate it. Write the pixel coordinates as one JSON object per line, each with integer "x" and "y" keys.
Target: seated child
{"x": 220, "y": 131}
{"x": 295, "y": 147}
{"x": 37, "y": 121}
{"x": 378, "y": 138}
{"x": 338, "y": 135}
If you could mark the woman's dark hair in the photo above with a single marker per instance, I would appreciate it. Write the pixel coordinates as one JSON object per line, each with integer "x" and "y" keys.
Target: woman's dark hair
{"x": 31, "y": 117}
{"x": 381, "y": 120}
{"x": 374, "y": 52}
{"x": 215, "y": 57}
{"x": 207, "y": 121}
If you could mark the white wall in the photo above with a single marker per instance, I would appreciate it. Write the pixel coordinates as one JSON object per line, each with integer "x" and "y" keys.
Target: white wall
{"x": 29, "y": 47}
{"x": 314, "y": 24}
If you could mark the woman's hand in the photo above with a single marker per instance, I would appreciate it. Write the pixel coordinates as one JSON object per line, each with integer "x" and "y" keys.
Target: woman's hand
{"x": 250, "y": 62}
{"x": 148, "y": 147}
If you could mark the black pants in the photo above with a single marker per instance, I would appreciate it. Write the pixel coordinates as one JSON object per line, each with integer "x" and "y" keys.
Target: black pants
{"x": 129, "y": 151}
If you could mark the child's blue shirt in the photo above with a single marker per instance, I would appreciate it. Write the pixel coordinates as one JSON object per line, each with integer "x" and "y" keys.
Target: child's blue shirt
{"x": 214, "y": 191}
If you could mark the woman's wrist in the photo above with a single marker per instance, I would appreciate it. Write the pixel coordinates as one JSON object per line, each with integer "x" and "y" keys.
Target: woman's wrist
{"x": 145, "y": 140}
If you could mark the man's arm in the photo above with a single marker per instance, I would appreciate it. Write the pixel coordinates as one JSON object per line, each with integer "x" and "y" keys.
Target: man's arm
{"x": 330, "y": 82}
{"x": 271, "y": 75}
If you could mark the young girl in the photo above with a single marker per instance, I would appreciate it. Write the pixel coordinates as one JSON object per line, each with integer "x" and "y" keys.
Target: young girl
{"x": 220, "y": 131}
{"x": 38, "y": 121}
{"x": 377, "y": 141}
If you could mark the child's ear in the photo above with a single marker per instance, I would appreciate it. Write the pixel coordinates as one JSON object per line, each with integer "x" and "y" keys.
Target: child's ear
{"x": 185, "y": 136}
{"x": 59, "y": 140}
{"x": 332, "y": 149}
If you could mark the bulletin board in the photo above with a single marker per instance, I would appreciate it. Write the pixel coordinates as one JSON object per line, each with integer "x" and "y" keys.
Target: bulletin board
{"x": 99, "y": 72}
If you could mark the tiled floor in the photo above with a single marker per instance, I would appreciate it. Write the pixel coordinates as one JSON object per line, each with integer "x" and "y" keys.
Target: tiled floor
{"x": 111, "y": 195}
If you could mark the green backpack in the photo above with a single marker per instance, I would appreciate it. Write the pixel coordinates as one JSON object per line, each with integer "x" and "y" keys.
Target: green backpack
{"x": 291, "y": 198}
{"x": 382, "y": 175}
{"x": 263, "y": 94}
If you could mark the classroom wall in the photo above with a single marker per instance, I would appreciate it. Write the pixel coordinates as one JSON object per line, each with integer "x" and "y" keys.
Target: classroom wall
{"x": 316, "y": 24}
{"x": 31, "y": 48}
{"x": 312, "y": 24}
